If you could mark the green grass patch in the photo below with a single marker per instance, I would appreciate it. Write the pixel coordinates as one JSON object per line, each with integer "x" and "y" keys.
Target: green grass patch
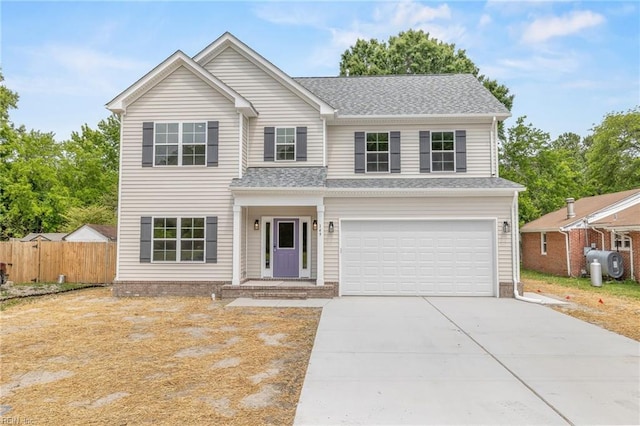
{"x": 22, "y": 293}
{"x": 627, "y": 288}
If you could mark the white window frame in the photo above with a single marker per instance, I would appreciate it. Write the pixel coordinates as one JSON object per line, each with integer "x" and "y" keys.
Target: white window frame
{"x": 543, "y": 243}
{"x": 285, "y": 143}
{"x": 367, "y": 152}
{"x": 625, "y": 241}
{"x": 178, "y": 239}
{"x": 432, "y": 151}
{"x": 180, "y": 143}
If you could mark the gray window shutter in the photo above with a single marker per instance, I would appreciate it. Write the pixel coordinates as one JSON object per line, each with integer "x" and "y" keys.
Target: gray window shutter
{"x": 394, "y": 151}
{"x": 425, "y": 151}
{"x": 145, "y": 239}
{"x": 461, "y": 151}
{"x": 212, "y": 144}
{"x": 211, "y": 244}
{"x": 147, "y": 144}
{"x": 301, "y": 144}
{"x": 360, "y": 163}
{"x": 269, "y": 143}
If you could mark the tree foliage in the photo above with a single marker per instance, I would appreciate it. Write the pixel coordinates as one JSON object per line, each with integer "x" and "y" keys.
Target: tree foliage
{"x": 42, "y": 181}
{"x": 550, "y": 170}
{"x": 613, "y": 158}
{"x": 415, "y": 52}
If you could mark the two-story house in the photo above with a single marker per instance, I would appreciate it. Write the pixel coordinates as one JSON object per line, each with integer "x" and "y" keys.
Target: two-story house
{"x": 234, "y": 173}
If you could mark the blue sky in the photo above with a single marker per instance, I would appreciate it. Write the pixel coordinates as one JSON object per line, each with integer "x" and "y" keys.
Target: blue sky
{"x": 568, "y": 63}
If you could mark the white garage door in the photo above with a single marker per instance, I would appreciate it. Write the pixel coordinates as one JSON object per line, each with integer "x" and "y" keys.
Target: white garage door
{"x": 426, "y": 258}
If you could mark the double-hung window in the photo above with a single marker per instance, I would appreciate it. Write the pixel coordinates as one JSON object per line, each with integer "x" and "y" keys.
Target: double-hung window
{"x": 443, "y": 153}
{"x": 285, "y": 144}
{"x": 377, "y": 152}
{"x": 543, "y": 242}
{"x": 180, "y": 144}
{"x": 620, "y": 241}
{"x": 178, "y": 239}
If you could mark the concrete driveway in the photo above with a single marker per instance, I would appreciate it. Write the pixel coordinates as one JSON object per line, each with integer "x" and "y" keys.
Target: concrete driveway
{"x": 383, "y": 360}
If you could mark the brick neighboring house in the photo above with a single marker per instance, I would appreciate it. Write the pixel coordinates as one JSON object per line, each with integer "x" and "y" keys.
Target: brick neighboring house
{"x": 555, "y": 243}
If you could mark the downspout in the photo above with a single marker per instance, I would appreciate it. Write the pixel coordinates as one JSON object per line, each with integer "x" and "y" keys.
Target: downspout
{"x": 566, "y": 245}
{"x": 633, "y": 277}
{"x": 492, "y": 141}
{"x": 514, "y": 253}
{"x": 324, "y": 142}
{"x": 119, "y": 227}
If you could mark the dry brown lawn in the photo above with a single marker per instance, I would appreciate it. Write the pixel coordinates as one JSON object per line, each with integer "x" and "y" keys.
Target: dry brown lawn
{"x": 88, "y": 358}
{"x": 616, "y": 313}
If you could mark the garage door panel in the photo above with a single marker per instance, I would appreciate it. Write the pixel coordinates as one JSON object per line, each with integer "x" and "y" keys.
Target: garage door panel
{"x": 418, "y": 257}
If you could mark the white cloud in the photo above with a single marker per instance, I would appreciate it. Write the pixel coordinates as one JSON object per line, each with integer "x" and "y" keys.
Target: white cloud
{"x": 75, "y": 70}
{"x": 406, "y": 14}
{"x": 485, "y": 20}
{"x": 542, "y": 29}
{"x": 301, "y": 14}
{"x": 389, "y": 19}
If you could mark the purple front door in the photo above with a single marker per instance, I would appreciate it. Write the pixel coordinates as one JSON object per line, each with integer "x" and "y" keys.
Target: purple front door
{"x": 286, "y": 250}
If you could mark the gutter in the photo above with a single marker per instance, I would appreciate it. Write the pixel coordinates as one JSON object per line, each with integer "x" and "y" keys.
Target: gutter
{"x": 566, "y": 245}
{"x": 601, "y": 235}
{"x": 515, "y": 266}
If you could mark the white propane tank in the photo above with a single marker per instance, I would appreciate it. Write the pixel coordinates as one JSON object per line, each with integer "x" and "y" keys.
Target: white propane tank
{"x": 595, "y": 269}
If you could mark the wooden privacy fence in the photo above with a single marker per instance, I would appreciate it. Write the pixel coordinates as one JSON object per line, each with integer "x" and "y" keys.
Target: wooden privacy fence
{"x": 45, "y": 261}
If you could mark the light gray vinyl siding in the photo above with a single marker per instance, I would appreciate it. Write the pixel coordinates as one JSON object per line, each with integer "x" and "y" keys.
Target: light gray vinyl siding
{"x": 417, "y": 208}
{"x": 254, "y": 239}
{"x": 277, "y": 106}
{"x": 171, "y": 191}
{"x": 340, "y": 149}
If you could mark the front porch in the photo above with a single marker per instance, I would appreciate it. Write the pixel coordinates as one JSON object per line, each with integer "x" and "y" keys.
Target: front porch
{"x": 279, "y": 289}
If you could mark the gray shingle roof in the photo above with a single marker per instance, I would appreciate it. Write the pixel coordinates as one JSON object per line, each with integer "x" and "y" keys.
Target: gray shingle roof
{"x": 422, "y": 183}
{"x": 282, "y": 177}
{"x": 316, "y": 177}
{"x": 404, "y": 94}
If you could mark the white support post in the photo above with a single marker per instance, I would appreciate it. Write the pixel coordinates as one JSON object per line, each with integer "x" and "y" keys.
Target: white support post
{"x": 320, "y": 248}
{"x": 237, "y": 243}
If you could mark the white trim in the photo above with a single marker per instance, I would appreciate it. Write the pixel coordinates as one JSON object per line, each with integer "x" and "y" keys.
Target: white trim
{"x": 236, "y": 245}
{"x": 284, "y": 200}
{"x": 492, "y": 220}
{"x": 324, "y": 142}
{"x": 240, "y": 140}
{"x": 543, "y": 243}
{"x": 119, "y": 227}
{"x": 418, "y": 116}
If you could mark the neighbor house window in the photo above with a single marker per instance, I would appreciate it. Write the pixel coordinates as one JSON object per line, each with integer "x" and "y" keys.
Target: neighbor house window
{"x": 620, "y": 241}
{"x": 178, "y": 239}
{"x": 377, "y": 152}
{"x": 443, "y": 152}
{"x": 543, "y": 242}
{"x": 285, "y": 143}
{"x": 180, "y": 144}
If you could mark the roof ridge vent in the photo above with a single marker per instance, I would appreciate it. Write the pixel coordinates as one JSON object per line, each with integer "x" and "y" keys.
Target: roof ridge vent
{"x": 570, "y": 208}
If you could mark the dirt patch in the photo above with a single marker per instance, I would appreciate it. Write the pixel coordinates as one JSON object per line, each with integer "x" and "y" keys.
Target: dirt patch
{"x": 142, "y": 361}
{"x": 616, "y": 313}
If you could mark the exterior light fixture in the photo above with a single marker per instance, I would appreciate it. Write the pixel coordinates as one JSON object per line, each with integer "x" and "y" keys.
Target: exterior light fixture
{"x": 315, "y": 225}
{"x": 505, "y": 227}
{"x": 256, "y": 225}
{"x": 331, "y": 227}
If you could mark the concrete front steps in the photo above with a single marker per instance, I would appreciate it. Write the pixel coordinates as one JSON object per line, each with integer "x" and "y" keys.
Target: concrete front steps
{"x": 278, "y": 290}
